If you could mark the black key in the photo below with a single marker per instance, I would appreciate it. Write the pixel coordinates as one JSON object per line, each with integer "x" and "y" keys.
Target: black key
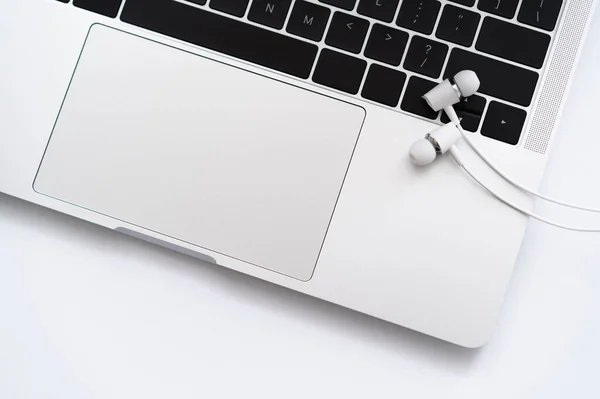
{"x": 498, "y": 79}
{"x": 308, "y": 20}
{"x": 382, "y": 10}
{"x": 269, "y": 12}
{"x": 512, "y": 42}
{"x": 339, "y": 71}
{"x": 540, "y": 13}
{"x": 347, "y": 32}
{"x": 503, "y": 8}
{"x": 109, "y": 8}
{"x": 418, "y": 15}
{"x": 383, "y": 85}
{"x": 426, "y": 56}
{"x": 64, "y": 1}
{"x": 345, "y": 4}
{"x": 225, "y": 35}
{"x": 469, "y": 111}
{"x": 201, "y": 2}
{"x": 233, "y": 7}
{"x": 413, "y": 97}
{"x": 503, "y": 122}
{"x": 458, "y": 25}
{"x": 386, "y": 44}
{"x": 464, "y": 2}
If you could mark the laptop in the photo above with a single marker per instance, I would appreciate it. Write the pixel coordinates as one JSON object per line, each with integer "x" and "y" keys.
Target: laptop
{"x": 271, "y": 137}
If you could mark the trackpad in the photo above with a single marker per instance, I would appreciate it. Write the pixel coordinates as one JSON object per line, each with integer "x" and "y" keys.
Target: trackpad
{"x": 209, "y": 154}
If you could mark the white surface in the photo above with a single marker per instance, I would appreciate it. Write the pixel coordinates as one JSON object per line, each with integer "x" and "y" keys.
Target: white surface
{"x": 222, "y": 163}
{"x": 85, "y": 312}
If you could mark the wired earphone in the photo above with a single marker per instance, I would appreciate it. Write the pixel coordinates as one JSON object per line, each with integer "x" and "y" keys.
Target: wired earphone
{"x": 444, "y": 139}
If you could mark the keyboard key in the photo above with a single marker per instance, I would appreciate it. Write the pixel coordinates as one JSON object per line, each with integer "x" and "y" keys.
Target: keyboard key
{"x": 339, "y": 71}
{"x": 64, "y": 1}
{"x": 382, "y": 10}
{"x": 464, "y": 2}
{"x": 418, "y": 15}
{"x": 498, "y": 79}
{"x": 470, "y": 111}
{"x": 345, "y": 4}
{"x": 308, "y": 20}
{"x": 233, "y": 7}
{"x": 200, "y": 2}
{"x": 109, "y": 8}
{"x": 386, "y": 44}
{"x": 512, "y": 42}
{"x": 504, "y": 123}
{"x": 540, "y": 13}
{"x": 503, "y": 8}
{"x": 347, "y": 32}
{"x": 426, "y": 56}
{"x": 413, "y": 101}
{"x": 222, "y": 34}
{"x": 383, "y": 85}
{"x": 458, "y": 25}
{"x": 269, "y": 12}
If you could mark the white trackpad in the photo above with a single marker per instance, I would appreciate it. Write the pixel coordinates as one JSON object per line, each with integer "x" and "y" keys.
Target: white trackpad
{"x": 206, "y": 153}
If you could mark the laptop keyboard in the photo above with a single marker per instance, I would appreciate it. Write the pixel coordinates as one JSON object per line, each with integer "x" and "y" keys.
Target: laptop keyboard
{"x": 389, "y": 52}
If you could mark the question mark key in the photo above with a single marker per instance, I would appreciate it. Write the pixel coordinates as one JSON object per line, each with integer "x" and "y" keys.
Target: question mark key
{"x": 426, "y": 56}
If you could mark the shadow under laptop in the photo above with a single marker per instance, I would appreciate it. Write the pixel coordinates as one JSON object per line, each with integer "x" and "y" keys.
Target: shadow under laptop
{"x": 333, "y": 319}
{"x": 339, "y": 320}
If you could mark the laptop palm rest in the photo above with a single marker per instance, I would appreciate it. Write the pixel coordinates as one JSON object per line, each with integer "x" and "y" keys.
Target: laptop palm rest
{"x": 200, "y": 151}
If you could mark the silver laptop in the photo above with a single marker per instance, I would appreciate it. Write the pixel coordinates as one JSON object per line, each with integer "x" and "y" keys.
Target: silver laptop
{"x": 271, "y": 137}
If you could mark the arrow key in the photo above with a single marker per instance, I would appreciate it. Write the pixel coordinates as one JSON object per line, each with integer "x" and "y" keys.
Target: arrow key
{"x": 386, "y": 44}
{"x": 504, "y": 123}
{"x": 347, "y": 32}
{"x": 469, "y": 111}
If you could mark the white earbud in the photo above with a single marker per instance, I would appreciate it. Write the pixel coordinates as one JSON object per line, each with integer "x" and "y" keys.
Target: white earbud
{"x": 422, "y": 152}
{"x": 444, "y": 139}
{"x": 441, "y": 140}
{"x": 447, "y": 93}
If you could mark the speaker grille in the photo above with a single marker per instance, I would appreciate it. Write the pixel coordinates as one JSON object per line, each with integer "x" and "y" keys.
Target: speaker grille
{"x": 560, "y": 68}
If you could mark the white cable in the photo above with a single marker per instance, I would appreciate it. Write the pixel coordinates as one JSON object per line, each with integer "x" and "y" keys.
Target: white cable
{"x": 524, "y": 211}
{"x": 454, "y": 118}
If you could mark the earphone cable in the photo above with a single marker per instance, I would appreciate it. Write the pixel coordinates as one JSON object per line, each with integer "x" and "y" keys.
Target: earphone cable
{"x": 455, "y": 120}
{"x": 524, "y": 211}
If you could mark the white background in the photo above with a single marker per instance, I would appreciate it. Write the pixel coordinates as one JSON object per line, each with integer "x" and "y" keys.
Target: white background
{"x": 89, "y": 313}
